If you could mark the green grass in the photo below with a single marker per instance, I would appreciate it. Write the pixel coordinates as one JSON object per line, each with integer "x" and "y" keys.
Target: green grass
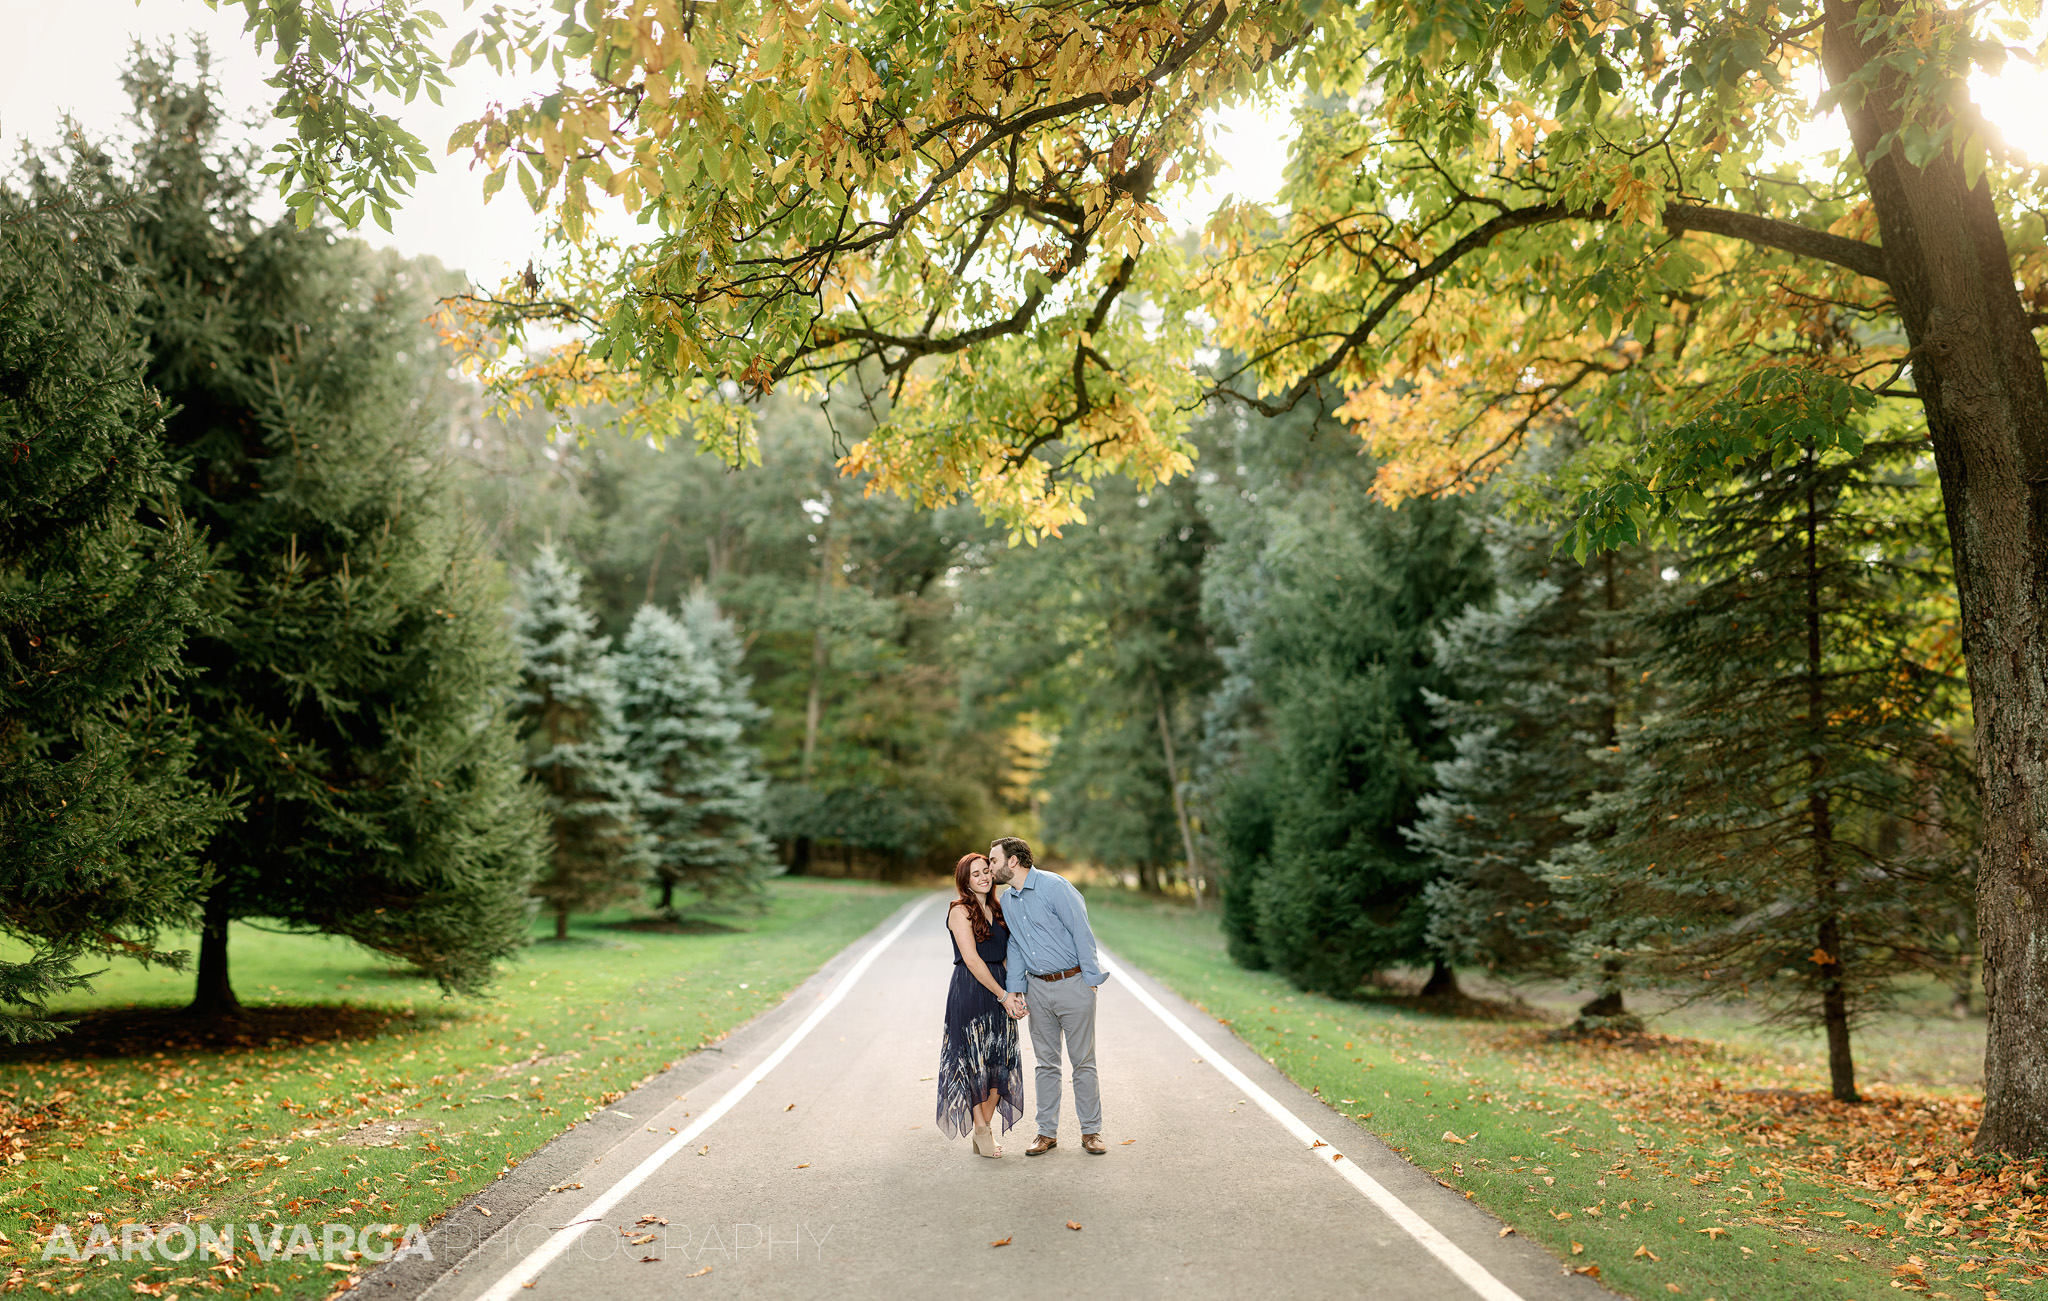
{"x": 250, "y": 1134}
{"x": 1607, "y": 1156}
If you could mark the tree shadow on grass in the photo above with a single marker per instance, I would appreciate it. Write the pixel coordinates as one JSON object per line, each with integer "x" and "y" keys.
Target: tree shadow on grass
{"x": 672, "y": 926}
{"x": 143, "y": 1031}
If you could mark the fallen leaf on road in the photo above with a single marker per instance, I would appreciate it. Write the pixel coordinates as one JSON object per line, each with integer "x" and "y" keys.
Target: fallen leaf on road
{"x": 650, "y": 1260}
{"x": 1449, "y": 1137}
{"x": 563, "y": 1188}
{"x": 650, "y": 1219}
{"x": 704, "y": 1150}
{"x": 1075, "y": 1225}
{"x": 700, "y": 1273}
{"x": 1318, "y": 1143}
{"x": 805, "y": 1166}
{"x": 1505, "y": 1232}
{"x": 643, "y": 1239}
{"x": 1336, "y": 1156}
{"x": 1127, "y": 1142}
{"x": 790, "y": 1107}
{"x": 1000, "y": 1242}
{"x": 483, "y": 1210}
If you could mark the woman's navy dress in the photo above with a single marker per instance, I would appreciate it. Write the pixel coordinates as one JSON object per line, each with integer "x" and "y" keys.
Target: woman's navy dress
{"x": 979, "y": 1051}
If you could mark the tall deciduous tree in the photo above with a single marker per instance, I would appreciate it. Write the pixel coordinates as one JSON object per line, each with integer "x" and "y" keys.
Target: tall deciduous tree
{"x": 1099, "y": 637}
{"x": 568, "y": 708}
{"x": 101, "y": 820}
{"x": 1795, "y": 825}
{"x": 356, "y": 676}
{"x": 686, "y": 711}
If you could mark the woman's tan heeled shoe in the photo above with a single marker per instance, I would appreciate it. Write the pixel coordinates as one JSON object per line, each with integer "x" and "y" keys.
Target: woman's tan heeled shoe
{"x": 985, "y": 1141}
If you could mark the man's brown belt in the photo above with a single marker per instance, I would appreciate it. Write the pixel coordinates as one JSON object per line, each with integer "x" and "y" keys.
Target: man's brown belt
{"x": 1058, "y": 975}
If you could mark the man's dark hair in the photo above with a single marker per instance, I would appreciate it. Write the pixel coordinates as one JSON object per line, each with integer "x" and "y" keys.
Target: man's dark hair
{"x": 1015, "y": 848}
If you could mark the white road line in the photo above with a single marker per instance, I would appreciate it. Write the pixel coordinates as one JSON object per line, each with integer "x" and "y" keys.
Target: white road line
{"x": 515, "y": 1279}
{"x": 1468, "y": 1270}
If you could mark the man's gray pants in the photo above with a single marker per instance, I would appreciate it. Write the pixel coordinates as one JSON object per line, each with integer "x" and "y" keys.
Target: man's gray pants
{"x": 1064, "y": 1008}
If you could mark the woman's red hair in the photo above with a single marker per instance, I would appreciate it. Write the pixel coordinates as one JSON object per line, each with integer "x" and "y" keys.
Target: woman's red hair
{"x": 975, "y": 920}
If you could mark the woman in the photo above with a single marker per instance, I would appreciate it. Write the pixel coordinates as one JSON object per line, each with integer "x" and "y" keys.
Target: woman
{"x": 980, "y": 1071}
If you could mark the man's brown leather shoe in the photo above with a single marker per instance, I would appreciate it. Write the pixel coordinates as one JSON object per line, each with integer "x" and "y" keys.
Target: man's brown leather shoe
{"x": 1092, "y": 1144}
{"x": 1043, "y": 1145}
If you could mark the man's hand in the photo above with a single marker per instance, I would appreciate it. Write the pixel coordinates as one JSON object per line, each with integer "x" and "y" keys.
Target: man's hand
{"x": 1015, "y": 1007}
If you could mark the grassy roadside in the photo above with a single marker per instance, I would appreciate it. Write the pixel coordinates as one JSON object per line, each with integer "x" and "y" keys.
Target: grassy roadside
{"x": 365, "y": 1097}
{"x": 1650, "y": 1164}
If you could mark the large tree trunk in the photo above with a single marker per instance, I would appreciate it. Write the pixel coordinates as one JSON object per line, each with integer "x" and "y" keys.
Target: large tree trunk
{"x": 1978, "y": 371}
{"x": 212, "y": 996}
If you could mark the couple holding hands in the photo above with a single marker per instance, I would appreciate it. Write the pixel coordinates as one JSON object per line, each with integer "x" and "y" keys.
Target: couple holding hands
{"x": 1021, "y": 947}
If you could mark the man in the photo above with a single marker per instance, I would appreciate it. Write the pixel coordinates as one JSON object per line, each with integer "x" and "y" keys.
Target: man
{"x": 1053, "y": 974}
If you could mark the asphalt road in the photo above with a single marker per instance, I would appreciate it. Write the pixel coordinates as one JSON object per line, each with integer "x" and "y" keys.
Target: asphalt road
{"x": 820, "y": 1173}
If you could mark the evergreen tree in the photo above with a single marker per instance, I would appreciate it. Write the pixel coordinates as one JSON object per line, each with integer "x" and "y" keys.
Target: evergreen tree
{"x": 1536, "y": 698}
{"x": 686, "y": 711}
{"x": 1795, "y": 817}
{"x": 569, "y": 709}
{"x": 100, "y": 819}
{"x": 1329, "y": 600}
{"x": 356, "y": 676}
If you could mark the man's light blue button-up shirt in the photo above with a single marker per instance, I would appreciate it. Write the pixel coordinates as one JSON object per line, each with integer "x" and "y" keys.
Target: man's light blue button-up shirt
{"x": 1048, "y": 931}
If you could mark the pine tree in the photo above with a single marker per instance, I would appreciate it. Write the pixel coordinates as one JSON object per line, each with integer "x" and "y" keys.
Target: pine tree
{"x": 686, "y": 713}
{"x": 1323, "y": 740}
{"x": 569, "y": 710}
{"x": 100, "y": 819}
{"x": 356, "y": 675}
{"x": 1796, "y": 816}
{"x": 1536, "y": 698}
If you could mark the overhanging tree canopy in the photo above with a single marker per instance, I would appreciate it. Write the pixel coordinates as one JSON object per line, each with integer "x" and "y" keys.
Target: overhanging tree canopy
{"x": 1508, "y": 212}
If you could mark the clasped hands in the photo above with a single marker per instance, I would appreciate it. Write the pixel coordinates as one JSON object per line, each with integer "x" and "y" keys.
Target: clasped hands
{"x": 1014, "y": 1005}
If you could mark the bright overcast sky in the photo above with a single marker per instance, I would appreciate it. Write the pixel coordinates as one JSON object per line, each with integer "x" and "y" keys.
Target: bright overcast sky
{"x": 43, "y": 76}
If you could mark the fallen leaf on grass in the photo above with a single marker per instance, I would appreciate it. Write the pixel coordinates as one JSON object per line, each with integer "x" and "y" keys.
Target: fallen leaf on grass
{"x": 1000, "y": 1242}
{"x": 1642, "y": 1251}
{"x": 1672, "y": 1287}
{"x": 1449, "y": 1137}
{"x": 1578, "y": 1249}
{"x": 1505, "y": 1232}
{"x": 700, "y": 1273}
{"x": 1560, "y": 1215}
{"x": 1075, "y": 1225}
{"x": 1715, "y": 1233}
{"x": 1590, "y": 1271}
